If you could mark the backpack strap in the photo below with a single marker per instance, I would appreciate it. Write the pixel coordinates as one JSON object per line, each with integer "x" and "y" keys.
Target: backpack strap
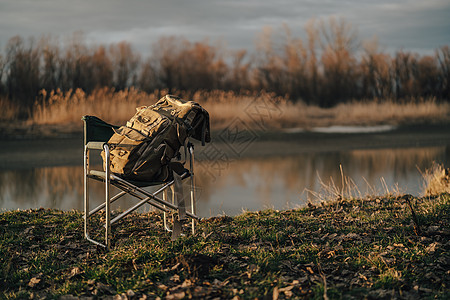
{"x": 190, "y": 117}
{"x": 203, "y": 132}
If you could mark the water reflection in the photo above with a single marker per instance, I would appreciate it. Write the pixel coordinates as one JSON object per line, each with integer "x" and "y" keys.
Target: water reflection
{"x": 251, "y": 183}
{"x": 58, "y": 187}
{"x": 284, "y": 182}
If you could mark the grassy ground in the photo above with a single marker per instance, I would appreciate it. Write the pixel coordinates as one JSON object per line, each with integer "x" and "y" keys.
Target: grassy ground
{"x": 376, "y": 248}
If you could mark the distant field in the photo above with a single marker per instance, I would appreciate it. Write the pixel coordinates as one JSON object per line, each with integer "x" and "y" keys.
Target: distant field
{"x": 274, "y": 112}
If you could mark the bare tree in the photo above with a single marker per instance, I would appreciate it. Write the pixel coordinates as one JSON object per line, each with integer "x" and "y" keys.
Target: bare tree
{"x": 269, "y": 71}
{"x": 75, "y": 69}
{"x": 426, "y": 77}
{"x": 312, "y": 62}
{"x": 23, "y": 71}
{"x": 102, "y": 68}
{"x": 148, "y": 79}
{"x": 165, "y": 56}
{"x": 125, "y": 63}
{"x": 50, "y": 75}
{"x": 403, "y": 74}
{"x": 239, "y": 72}
{"x": 443, "y": 56}
{"x": 339, "y": 43}
{"x": 325, "y": 68}
{"x": 375, "y": 72}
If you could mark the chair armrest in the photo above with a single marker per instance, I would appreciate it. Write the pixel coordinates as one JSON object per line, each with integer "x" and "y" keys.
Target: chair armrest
{"x": 95, "y": 145}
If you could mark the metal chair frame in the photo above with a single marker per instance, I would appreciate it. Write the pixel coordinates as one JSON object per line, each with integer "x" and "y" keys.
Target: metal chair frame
{"x": 134, "y": 190}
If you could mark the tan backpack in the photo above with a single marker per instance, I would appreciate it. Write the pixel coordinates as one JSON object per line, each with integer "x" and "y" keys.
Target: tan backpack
{"x": 143, "y": 149}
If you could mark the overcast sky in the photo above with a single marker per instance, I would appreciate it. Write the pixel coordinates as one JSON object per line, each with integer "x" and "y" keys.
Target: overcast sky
{"x": 413, "y": 25}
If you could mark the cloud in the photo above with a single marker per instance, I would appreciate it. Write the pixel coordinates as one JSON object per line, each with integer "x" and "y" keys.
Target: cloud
{"x": 406, "y": 23}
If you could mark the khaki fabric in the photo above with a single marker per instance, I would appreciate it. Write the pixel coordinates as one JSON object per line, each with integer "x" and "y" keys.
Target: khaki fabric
{"x": 142, "y": 149}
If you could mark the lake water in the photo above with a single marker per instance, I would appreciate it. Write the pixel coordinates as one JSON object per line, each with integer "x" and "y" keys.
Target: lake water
{"x": 259, "y": 177}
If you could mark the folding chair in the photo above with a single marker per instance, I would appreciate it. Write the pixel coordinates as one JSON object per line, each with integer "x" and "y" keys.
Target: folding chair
{"x": 96, "y": 136}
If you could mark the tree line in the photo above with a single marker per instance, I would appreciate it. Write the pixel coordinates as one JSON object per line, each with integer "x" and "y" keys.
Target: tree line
{"x": 329, "y": 66}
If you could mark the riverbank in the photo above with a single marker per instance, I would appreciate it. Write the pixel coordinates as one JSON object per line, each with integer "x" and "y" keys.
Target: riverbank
{"x": 378, "y": 247}
{"x": 48, "y": 146}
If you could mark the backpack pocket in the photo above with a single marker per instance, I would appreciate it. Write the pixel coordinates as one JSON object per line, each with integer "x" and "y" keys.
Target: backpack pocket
{"x": 124, "y": 146}
{"x": 148, "y": 122}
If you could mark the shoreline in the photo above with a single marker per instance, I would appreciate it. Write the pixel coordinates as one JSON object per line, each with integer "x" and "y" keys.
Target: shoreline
{"x": 66, "y": 148}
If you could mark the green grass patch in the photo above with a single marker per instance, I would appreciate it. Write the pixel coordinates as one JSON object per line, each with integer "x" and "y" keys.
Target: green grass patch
{"x": 342, "y": 249}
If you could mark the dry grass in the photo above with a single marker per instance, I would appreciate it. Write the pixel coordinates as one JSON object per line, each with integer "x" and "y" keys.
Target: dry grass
{"x": 276, "y": 112}
{"x": 394, "y": 113}
{"x": 346, "y": 249}
{"x": 116, "y": 107}
{"x": 437, "y": 180}
{"x": 9, "y": 111}
{"x": 331, "y": 190}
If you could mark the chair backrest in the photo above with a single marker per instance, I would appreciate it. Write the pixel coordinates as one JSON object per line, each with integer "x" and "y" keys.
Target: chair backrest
{"x": 97, "y": 130}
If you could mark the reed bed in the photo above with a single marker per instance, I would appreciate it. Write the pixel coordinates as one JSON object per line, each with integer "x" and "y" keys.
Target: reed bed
{"x": 8, "y": 109}
{"x": 437, "y": 180}
{"x": 392, "y": 112}
{"x": 117, "y": 107}
{"x": 59, "y": 107}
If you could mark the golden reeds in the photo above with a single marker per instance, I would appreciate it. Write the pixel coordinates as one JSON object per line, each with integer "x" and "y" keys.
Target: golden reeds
{"x": 117, "y": 107}
{"x": 437, "y": 180}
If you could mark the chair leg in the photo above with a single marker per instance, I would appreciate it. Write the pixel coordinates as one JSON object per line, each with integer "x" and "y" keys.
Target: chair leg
{"x": 192, "y": 185}
{"x": 166, "y": 227}
{"x": 178, "y": 198}
{"x": 192, "y": 192}
{"x": 176, "y": 232}
{"x": 176, "y": 221}
{"x": 107, "y": 199}
{"x": 177, "y": 204}
{"x": 87, "y": 213}
{"x": 86, "y": 191}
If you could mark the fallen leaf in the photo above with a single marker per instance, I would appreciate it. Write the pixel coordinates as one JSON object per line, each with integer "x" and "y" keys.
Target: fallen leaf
{"x": 275, "y": 294}
{"x": 75, "y": 271}
{"x": 362, "y": 277}
{"x": 106, "y": 289}
{"x": 29, "y": 230}
{"x": 186, "y": 283}
{"x": 285, "y": 289}
{"x": 34, "y": 281}
{"x": 179, "y": 295}
{"x": 432, "y": 247}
